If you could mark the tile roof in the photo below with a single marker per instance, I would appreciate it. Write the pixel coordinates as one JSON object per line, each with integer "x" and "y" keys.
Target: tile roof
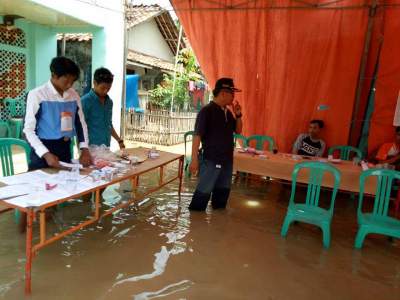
{"x": 149, "y": 60}
{"x": 136, "y": 14}
{"x": 80, "y": 37}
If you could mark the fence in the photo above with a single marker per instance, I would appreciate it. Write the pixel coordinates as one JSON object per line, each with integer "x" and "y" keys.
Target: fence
{"x": 160, "y": 127}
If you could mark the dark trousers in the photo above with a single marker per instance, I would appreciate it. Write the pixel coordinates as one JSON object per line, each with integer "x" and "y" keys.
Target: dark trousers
{"x": 61, "y": 148}
{"x": 215, "y": 182}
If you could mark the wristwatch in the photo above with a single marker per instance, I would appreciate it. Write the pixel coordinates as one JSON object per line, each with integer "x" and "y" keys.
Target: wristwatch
{"x": 120, "y": 141}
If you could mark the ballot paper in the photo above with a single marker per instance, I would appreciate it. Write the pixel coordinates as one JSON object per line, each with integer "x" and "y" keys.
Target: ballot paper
{"x": 26, "y": 178}
{"x": 61, "y": 191}
{"x": 14, "y": 190}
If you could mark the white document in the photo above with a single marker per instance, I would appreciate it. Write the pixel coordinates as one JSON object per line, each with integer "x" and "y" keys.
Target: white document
{"x": 68, "y": 165}
{"x": 61, "y": 191}
{"x": 14, "y": 190}
{"x": 25, "y": 178}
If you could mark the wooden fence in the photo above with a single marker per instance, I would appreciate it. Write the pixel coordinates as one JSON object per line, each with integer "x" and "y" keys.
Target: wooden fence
{"x": 158, "y": 126}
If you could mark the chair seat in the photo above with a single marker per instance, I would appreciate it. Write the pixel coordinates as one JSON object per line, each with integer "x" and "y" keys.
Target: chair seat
{"x": 379, "y": 222}
{"x": 309, "y": 214}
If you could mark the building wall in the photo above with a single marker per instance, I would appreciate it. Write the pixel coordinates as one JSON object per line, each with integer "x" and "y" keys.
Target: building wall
{"x": 40, "y": 48}
{"x": 147, "y": 38}
{"x": 108, "y": 25}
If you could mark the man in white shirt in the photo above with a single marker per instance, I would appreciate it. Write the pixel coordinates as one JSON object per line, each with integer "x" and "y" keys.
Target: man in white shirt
{"x": 53, "y": 116}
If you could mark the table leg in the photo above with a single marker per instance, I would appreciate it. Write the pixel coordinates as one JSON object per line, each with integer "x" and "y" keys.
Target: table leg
{"x": 161, "y": 175}
{"x": 42, "y": 226}
{"x": 97, "y": 204}
{"x": 180, "y": 173}
{"x": 28, "y": 263}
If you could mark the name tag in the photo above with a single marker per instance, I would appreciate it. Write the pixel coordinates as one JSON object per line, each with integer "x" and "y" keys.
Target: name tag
{"x": 218, "y": 166}
{"x": 66, "y": 121}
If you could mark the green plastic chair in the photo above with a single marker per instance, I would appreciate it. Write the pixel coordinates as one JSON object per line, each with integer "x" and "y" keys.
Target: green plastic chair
{"x": 72, "y": 146}
{"x": 6, "y": 126}
{"x": 378, "y": 220}
{"x": 188, "y": 159}
{"x": 345, "y": 152}
{"x": 239, "y": 137}
{"x": 260, "y": 140}
{"x": 7, "y": 165}
{"x": 17, "y": 111}
{"x": 310, "y": 212}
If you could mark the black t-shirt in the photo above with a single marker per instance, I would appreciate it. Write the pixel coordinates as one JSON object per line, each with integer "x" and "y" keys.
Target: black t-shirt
{"x": 216, "y": 126}
{"x": 306, "y": 146}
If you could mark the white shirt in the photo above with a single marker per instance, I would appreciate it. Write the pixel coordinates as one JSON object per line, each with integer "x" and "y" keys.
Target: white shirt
{"x": 48, "y": 93}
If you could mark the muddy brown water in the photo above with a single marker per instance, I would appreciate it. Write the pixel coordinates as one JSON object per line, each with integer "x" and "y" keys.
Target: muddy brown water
{"x": 159, "y": 250}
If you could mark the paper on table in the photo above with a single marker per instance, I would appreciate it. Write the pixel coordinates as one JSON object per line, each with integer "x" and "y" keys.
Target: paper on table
{"x": 24, "y": 178}
{"x": 14, "y": 190}
{"x": 60, "y": 192}
{"x": 38, "y": 198}
{"x": 68, "y": 165}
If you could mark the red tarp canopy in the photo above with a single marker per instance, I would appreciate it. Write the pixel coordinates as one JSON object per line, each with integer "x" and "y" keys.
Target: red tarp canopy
{"x": 289, "y": 57}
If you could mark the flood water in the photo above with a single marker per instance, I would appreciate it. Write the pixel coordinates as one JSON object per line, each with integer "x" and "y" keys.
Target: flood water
{"x": 159, "y": 250}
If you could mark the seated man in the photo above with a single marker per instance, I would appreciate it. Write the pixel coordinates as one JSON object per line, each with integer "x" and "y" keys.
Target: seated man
{"x": 310, "y": 144}
{"x": 389, "y": 153}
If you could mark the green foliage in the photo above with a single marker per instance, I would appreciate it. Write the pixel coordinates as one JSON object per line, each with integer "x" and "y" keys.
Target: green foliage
{"x": 161, "y": 96}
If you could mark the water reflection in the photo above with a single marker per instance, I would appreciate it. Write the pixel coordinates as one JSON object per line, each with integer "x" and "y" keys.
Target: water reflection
{"x": 159, "y": 250}
{"x": 166, "y": 291}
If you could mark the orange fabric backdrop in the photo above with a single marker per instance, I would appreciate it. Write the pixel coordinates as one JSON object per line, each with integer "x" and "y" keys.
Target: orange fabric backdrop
{"x": 388, "y": 81}
{"x": 287, "y": 62}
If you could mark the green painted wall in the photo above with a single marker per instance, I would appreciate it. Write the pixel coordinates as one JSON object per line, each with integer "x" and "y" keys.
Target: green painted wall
{"x": 42, "y": 47}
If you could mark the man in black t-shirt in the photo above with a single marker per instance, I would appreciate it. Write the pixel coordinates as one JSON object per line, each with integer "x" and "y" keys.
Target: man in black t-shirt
{"x": 214, "y": 128}
{"x": 310, "y": 144}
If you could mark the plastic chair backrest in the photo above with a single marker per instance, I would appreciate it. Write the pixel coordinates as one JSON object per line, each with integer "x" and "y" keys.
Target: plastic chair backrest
{"x": 72, "y": 146}
{"x": 5, "y": 125}
{"x": 385, "y": 179}
{"x": 237, "y": 136}
{"x": 260, "y": 140}
{"x": 185, "y": 137}
{"x": 317, "y": 171}
{"x": 345, "y": 151}
{"x": 16, "y": 107}
{"x": 7, "y": 165}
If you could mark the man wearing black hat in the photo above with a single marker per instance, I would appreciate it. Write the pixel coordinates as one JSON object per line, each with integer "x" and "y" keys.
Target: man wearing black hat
{"x": 214, "y": 128}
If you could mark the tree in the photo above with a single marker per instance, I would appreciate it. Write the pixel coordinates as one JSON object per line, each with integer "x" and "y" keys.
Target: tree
{"x": 161, "y": 96}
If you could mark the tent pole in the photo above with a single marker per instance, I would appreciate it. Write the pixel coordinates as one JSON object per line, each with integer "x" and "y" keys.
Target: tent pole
{"x": 176, "y": 64}
{"x": 125, "y": 59}
{"x": 363, "y": 69}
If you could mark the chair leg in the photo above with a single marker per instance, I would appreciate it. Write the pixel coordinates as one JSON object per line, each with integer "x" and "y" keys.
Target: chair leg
{"x": 18, "y": 130}
{"x": 397, "y": 204}
{"x": 186, "y": 168}
{"x": 17, "y": 216}
{"x": 361, "y": 234}
{"x": 286, "y": 225}
{"x": 326, "y": 235}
